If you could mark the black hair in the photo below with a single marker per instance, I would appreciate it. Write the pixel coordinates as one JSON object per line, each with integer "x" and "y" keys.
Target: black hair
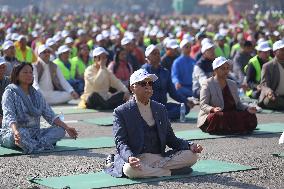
{"x": 116, "y": 59}
{"x": 16, "y": 71}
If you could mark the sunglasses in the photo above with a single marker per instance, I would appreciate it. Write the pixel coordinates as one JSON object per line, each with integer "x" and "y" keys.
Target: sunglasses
{"x": 144, "y": 83}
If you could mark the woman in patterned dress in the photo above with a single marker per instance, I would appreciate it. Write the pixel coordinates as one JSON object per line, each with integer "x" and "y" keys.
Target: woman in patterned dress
{"x": 22, "y": 108}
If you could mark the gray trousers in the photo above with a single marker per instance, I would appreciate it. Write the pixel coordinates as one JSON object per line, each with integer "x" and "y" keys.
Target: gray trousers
{"x": 154, "y": 165}
{"x": 34, "y": 140}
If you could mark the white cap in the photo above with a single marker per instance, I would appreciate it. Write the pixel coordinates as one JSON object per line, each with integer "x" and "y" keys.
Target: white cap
{"x": 206, "y": 46}
{"x": 63, "y": 49}
{"x": 105, "y": 33}
{"x": 81, "y": 32}
{"x": 260, "y": 40}
{"x": 263, "y": 46}
{"x": 278, "y": 45}
{"x": 140, "y": 75}
{"x": 205, "y": 40}
{"x": 7, "y": 45}
{"x": 150, "y": 49}
{"x": 160, "y": 34}
{"x": 184, "y": 42}
{"x": 68, "y": 40}
{"x": 42, "y": 48}
{"x": 14, "y": 36}
{"x": 65, "y": 33}
{"x": 172, "y": 44}
{"x": 276, "y": 33}
{"x": 188, "y": 37}
{"x": 218, "y": 37}
{"x": 56, "y": 38}
{"x": 95, "y": 29}
{"x": 21, "y": 37}
{"x": 99, "y": 37}
{"x": 34, "y": 34}
{"x": 2, "y": 61}
{"x": 49, "y": 42}
{"x": 125, "y": 41}
{"x": 219, "y": 62}
{"x": 98, "y": 51}
{"x": 8, "y": 36}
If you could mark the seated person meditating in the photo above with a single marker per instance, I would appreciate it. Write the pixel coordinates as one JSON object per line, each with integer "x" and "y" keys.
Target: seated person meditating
{"x": 142, "y": 131}
{"x": 272, "y": 80}
{"x": 22, "y": 108}
{"x": 164, "y": 85}
{"x": 98, "y": 80}
{"x": 221, "y": 111}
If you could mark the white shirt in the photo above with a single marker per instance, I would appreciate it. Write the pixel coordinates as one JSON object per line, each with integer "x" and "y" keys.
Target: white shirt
{"x": 45, "y": 83}
{"x": 146, "y": 112}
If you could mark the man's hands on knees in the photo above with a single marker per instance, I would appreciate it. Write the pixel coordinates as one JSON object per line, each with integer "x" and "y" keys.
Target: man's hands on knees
{"x": 196, "y": 148}
{"x": 134, "y": 163}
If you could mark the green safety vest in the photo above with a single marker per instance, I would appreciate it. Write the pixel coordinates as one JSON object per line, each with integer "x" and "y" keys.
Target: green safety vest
{"x": 80, "y": 64}
{"x": 68, "y": 74}
{"x": 254, "y": 61}
{"x": 147, "y": 41}
{"x": 29, "y": 55}
{"x": 90, "y": 44}
{"x": 220, "y": 52}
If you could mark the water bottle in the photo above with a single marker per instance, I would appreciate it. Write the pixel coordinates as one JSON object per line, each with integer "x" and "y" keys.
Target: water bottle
{"x": 182, "y": 113}
{"x": 241, "y": 93}
{"x": 61, "y": 116}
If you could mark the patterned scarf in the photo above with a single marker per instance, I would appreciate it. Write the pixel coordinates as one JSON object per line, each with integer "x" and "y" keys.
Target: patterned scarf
{"x": 34, "y": 106}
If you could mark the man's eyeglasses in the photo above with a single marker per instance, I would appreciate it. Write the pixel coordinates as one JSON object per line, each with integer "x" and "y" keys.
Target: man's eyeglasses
{"x": 144, "y": 83}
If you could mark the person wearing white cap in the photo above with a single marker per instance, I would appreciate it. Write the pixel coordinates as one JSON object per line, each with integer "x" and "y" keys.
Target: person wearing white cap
{"x": 182, "y": 70}
{"x": 222, "y": 48}
{"x": 4, "y": 82}
{"x": 132, "y": 52}
{"x": 203, "y": 68}
{"x": 272, "y": 80}
{"x": 254, "y": 67}
{"x": 171, "y": 54}
{"x": 49, "y": 80}
{"x": 98, "y": 81}
{"x": 23, "y": 52}
{"x": 142, "y": 130}
{"x": 221, "y": 111}
{"x": 9, "y": 55}
{"x": 164, "y": 84}
{"x": 69, "y": 69}
{"x": 53, "y": 48}
{"x": 70, "y": 43}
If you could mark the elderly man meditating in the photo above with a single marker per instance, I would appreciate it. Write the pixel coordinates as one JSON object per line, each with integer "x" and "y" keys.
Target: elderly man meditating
{"x": 142, "y": 131}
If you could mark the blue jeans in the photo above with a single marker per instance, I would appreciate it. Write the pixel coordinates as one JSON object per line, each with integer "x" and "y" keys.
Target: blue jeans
{"x": 34, "y": 140}
{"x": 77, "y": 84}
{"x": 185, "y": 91}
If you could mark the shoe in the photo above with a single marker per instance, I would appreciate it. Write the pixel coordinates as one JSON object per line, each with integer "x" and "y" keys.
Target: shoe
{"x": 109, "y": 160}
{"x": 181, "y": 171}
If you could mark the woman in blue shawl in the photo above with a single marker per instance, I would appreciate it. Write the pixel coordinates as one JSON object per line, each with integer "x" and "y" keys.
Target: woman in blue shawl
{"x": 22, "y": 108}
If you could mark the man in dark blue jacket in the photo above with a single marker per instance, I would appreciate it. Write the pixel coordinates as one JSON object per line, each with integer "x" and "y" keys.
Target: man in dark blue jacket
{"x": 164, "y": 84}
{"x": 142, "y": 132}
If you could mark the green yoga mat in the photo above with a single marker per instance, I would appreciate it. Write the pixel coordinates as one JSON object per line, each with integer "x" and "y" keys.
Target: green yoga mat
{"x": 69, "y": 145}
{"x": 72, "y": 110}
{"x": 281, "y": 155}
{"x": 102, "y": 180}
{"x": 266, "y": 111}
{"x": 108, "y": 121}
{"x": 268, "y": 128}
{"x": 102, "y": 121}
